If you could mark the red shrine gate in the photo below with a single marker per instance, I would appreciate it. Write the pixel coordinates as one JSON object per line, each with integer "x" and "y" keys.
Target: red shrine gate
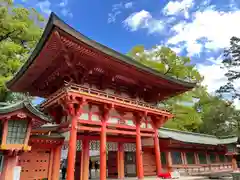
{"x": 110, "y": 97}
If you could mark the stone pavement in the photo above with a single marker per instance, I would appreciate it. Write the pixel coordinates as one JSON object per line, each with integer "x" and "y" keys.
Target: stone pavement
{"x": 155, "y": 178}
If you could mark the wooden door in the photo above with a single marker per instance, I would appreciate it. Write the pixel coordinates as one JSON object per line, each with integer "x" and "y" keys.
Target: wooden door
{"x": 130, "y": 164}
{"x": 35, "y": 164}
{"x": 78, "y": 165}
{"x": 112, "y": 164}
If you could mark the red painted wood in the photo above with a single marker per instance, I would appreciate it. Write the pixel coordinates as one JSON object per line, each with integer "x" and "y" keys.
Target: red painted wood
{"x": 35, "y": 164}
{"x": 78, "y": 165}
{"x": 157, "y": 152}
{"x": 103, "y": 151}
{"x": 149, "y": 162}
{"x": 139, "y": 152}
{"x": 112, "y": 164}
{"x": 109, "y": 138}
{"x": 72, "y": 149}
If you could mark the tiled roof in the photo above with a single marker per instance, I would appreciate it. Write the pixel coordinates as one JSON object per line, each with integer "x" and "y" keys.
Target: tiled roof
{"x": 195, "y": 138}
{"x": 55, "y": 21}
{"x": 7, "y": 108}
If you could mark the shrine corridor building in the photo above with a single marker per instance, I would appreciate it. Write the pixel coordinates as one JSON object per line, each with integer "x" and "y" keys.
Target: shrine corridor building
{"x": 97, "y": 99}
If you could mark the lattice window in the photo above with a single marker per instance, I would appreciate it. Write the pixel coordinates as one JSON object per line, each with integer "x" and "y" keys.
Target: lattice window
{"x": 221, "y": 158}
{"x": 129, "y": 147}
{"x": 163, "y": 158}
{"x": 176, "y": 157}
{"x": 79, "y": 145}
{"x": 190, "y": 157}
{"x": 94, "y": 145}
{"x": 212, "y": 158}
{"x": 112, "y": 146}
{"x": 17, "y": 130}
{"x": 202, "y": 158}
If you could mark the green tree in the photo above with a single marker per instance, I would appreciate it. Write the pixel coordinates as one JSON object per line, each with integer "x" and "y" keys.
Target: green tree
{"x": 219, "y": 117}
{"x": 231, "y": 63}
{"x": 20, "y": 29}
{"x": 230, "y": 91}
{"x": 167, "y": 62}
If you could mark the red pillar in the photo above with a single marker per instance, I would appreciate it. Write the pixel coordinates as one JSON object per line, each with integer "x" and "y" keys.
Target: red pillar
{"x": 85, "y": 159}
{"x": 157, "y": 152}
{"x": 8, "y": 167}
{"x": 103, "y": 155}
{"x": 72, "y": 149}
{"x": 139, "y": 151}
{"x": 120, "y": 161}
{"x": 56, "y": 162}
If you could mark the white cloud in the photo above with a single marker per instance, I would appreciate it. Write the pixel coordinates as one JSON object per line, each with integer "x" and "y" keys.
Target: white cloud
{"x": 213, "y": 76}
{"x": 176, "y": 7}
{"x": 63, "y": 3}
{"x": 66, "y": 12}
{"x": 112, "y": 16}
{"x": 64, "y": 9}
{"x": 138, "y": 19}
{"x": 143, "y": 20}
{"x": 128, "y": 5}
{"x": 117, "y": 10}
{"x": 44, "y": 6}
{"x": 216, "y": 27}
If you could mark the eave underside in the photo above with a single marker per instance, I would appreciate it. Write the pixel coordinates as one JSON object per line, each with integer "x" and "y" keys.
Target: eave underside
{"x": 24, "y": 109}
{"x": 61, "y": 56}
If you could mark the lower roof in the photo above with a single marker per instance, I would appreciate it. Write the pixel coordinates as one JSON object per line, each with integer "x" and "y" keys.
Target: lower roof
{"x": 8, "y": 108}
{"x": 195, "y": 138}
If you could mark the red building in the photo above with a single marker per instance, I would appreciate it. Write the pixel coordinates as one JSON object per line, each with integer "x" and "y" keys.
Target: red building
{"x": 97, "y": 99}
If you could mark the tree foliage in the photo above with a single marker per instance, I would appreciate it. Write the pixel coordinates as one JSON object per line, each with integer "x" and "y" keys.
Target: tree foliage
{"x": 231, "y": 62}
{"x": 196, "y": 110}
{"x": 20, "y": 29}
{"x": 182, "y": 106}
{"x": 219, "y": 117}
{"x": 166, "y": 61}
{"x": 231, "y": 89}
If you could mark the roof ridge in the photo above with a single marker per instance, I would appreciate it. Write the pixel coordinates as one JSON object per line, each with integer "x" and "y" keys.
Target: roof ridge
{"x": 187, "y": 132}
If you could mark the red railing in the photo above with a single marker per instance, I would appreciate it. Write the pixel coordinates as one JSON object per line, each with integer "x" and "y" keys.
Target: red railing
{"x": 78, "y": 88}
{"x": 104, "y": 94}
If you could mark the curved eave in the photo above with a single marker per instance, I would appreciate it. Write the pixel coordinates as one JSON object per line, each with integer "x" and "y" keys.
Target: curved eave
{"x": 195, "y": 138}
{"x": 24, "y": 104}
{"x": 54, "y": 21}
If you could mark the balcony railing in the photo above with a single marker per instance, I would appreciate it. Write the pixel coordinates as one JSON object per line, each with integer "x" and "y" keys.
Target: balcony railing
{"x": 106, "y": 95}
{"x": 97, "y": 92}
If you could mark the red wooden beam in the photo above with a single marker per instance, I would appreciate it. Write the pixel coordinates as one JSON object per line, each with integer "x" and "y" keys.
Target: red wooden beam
{"x": 109, "y": 138}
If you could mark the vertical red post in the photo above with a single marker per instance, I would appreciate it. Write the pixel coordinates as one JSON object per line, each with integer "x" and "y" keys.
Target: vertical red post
{"x": 72, "y": 145}
{"x": 120, "y": 161}
{"x": 85, "y": 159}
{"x": 56, "y": 162}
{"x": 8, "y": 167}
{"x": 103, "y": 155}
{"x": 139, "y": 151}
{"x": 157, "y": 152}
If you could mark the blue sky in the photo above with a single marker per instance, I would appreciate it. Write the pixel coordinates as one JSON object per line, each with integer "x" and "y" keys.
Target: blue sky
{"x": 199, "y": 29}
